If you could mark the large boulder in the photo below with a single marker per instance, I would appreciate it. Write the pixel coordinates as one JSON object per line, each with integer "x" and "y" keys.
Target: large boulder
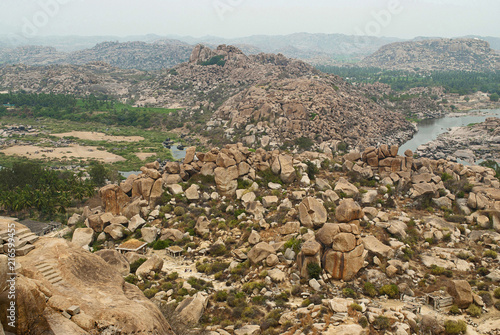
{"x": 191, "y": 309}
{"x": 461, "y": 292}
{"x": 149, "y": 234}
{"x": 116, "y": 260}
{"x": 344, "y": 242}
{"x": 260, "y": 251}
{"x": 287, "y": 173}
{"x": 226, "y": 180}
{"x": 312, "y": 213}
{"x": 113, "y": 198}
{"x": 82, "y": 237}
{"x": 88, "y": 282}
{"x": 348, "y": 210}
{"x": 153, "y": 264}
{"x": 346, "y": 187}
{"x": 202, "y": 226}
{"x": 343, "y": 265}
{"x": 373, "y": 245}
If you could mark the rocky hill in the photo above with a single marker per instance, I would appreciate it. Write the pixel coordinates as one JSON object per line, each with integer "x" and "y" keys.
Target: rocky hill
{"x": 257, "y": 95}
{"x": 127, "y": 55}
{"x": 436, "y": 55}
{"x": 239, "y": 241}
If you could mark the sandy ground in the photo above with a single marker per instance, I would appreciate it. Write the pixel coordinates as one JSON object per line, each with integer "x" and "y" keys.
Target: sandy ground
{"x": 74, "y": 151}
{"x": 144, "y": 155}
{"x": 93, "y": 136}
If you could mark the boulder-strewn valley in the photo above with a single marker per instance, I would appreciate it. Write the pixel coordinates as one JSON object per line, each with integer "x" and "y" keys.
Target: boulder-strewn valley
{"x": 160, "y": 187}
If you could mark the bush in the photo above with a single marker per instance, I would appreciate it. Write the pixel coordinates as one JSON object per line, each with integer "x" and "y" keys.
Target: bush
{"x": 135, "y": 265}
{"x": 437, "y": 270}
{"x": 381, "y": 322}
{"x": 172, "y": 276}
{"x": 392, "y": 291}
{"x": 312, "y": 170}
{"x": 304, "y": 143}
{"x": 150, "y": 292}
{"x": 474, "y": 311}
{"x": 455, "y": 310}
{"x": 354, "y": 306}
{"x": 370, "y": 289}
{"x": 217, "y": 250}
{"x": 497, "y": 305}
{"x": 452, "y": 327}
{"x": 179, "y": 211}
{"x": 293, "y": 244}
{"x": 349, "y": 293}
{"x": 314, "y": 270}
{"x": 363, "y": 321}
{"x": 160, "y": 244}
{"x": 220, "y": 296}
{"x": 496, "y": 293}
{"x": 491, "y": 254}
{"x": 132, "y": 279}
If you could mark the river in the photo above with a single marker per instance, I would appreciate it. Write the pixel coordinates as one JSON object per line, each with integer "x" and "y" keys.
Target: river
{"x": 430, "y": 129}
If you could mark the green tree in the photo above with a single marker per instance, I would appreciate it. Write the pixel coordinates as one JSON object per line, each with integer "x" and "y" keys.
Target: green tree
{"x": 494, "y": 97}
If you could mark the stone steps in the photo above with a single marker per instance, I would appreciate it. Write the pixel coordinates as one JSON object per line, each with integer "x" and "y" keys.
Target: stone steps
{"x": 49, "y": 273}
{"x": 23, "y": 251}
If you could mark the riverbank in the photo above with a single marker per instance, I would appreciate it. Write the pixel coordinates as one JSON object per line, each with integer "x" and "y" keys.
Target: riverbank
{"x": 430, "y": 129}
{"x": 472, "y": 143}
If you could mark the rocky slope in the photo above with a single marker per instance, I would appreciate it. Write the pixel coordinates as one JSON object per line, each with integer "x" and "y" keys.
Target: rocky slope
{"x": 269, "y": 245}
{"x": 273, "y": 95}
{"x": 436, "y": 55}
{"x": 127, "y": 55}
{"x": 472, "y": 143}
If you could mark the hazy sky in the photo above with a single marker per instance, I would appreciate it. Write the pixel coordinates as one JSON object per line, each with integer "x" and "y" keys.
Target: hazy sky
{"x": 236, "y": 18}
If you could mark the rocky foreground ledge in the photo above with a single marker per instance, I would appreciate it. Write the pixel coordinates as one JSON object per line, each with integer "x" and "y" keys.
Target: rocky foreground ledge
{"x": 271, "y": 243}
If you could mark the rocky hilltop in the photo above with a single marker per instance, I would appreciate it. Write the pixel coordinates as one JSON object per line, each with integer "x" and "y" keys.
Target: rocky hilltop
{"x": 127, "y": 55}
{"x": 264, "y": 95}
{"x": 243, "y": 242}
{"x": 436, "y": 55}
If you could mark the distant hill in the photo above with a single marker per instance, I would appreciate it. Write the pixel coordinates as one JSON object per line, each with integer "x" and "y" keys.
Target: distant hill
{"x": 266, "y": 95}
{"x": 128, "y": 55}
{"x": 462, "y": 54}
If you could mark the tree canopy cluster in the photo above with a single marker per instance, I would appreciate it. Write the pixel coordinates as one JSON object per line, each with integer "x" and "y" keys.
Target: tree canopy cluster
{"x": 30, "y": 186}
{"x": 461, "y": 82}
{"x": 100, "y": 109}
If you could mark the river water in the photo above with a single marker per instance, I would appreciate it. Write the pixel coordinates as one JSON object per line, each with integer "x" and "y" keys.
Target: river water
{"x": 428, "y": 130}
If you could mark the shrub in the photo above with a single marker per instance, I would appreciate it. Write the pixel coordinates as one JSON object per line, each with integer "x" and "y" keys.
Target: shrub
{"x": 474, "y": 311}
{"x": 135, "y": 265}
{"x": 150, "y": 292}
{"x": 391, "y": 290}
{"x": 160, "y": 244}
{"x": 314, "y": 270}
{"x": 179, "y": 211}
{"x": 486, "y": 296}
{"x": 304, "y": 143}
{"x": 296, "y": 290}
{"x": 497, "y": 305}
{"x": 381, "y": 322}
{"x": 293, "y": 244}
{"x": 496, "y": 293}
{"x": 370, "y": 289}
{"x": 455, "y": 310}
{"x": 312, "y": 170}
{"x": 363, "y": 321}
{"x": 491, "y": 254}
{"x": 483, "y": 271}
{"x": 132, "y": 279}
{"x": 349, "y": 293}
{"x": 220, "y": 296}
{"x": 217, "y": 249}
{"x": 453, "y": 327}
{"x": 356, "y": 307}
{"x": 306, "y": 302}
{"x": 437, "y": 270}
{"x": 172, "y": 276}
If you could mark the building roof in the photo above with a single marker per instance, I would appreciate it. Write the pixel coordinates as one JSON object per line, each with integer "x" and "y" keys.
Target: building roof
{"x": 132, "y": 245}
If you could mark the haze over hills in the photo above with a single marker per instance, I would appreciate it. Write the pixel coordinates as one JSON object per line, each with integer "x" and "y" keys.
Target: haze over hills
{"x": 150, "y": 52}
